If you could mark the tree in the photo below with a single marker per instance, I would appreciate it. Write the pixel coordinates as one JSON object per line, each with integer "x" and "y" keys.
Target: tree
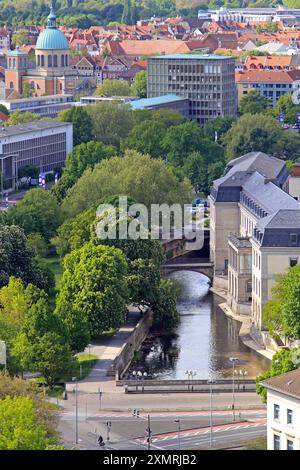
{"x": 113, "y": 88}
{"x": 37, "y": 212}
{"x": 82, "y": 123}
{"x": 285, "y": 104}
{"x": 253, "y": 103}
{"x": 4, "y": 109}
{"x": 19, "y": 117}
{"x": 111, "y": 122}
{"x": 218, "y": 127}
{"x": 14, "y": 304}
{"x": 139, "y": 86}
{"x": 146, "y": 137}
{"x": 20, "y": 428}
{"x": 17, "y": 259}
{"x": 195, "y": 169}
{"x": 28, "y": 90}
{"x": 86, "y": 155}
{"x": 166, "y": 117}
{"x": 146, "y": 180}
{"x": 165, "y": 311}
{"x": 255, "y": 132}
{"x": 181, "y": 140}
{"x": 94, "y": 286}
{"x": 20, "y": 37}
{"x": 283, "y": 361}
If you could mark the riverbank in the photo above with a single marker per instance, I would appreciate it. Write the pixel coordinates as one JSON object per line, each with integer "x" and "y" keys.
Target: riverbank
{"x": 245, "y": 325}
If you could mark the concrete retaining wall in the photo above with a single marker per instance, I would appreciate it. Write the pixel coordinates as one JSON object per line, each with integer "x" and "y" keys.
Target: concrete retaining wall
{"x": 124, "y": 358}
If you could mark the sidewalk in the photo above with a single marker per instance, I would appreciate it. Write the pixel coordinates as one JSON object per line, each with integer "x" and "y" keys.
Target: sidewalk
{"x": 106, "y": 350}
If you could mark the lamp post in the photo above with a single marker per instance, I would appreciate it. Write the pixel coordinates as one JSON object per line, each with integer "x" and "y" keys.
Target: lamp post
{"x": 210, "y": 382}
{"x": 233, "y": 360}
{"x": 190, "y": 376}
{"x": 243, "y": 373}
{"x": 178, "y": 429}
{"x": 108, "y": 426}
{"x": 236, "y": 373}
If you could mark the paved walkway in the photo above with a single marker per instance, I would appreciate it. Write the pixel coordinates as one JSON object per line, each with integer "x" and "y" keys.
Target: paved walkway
{"x": 106, "y": 350}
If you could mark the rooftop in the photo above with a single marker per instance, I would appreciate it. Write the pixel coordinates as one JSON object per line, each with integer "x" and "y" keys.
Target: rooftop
{"x": 288, "y": 384}
{"x": 268, "y": 166}
{"x": 146, "y": 102}
{"x": 192, "y": 56}
{"x": 31, "y": 127}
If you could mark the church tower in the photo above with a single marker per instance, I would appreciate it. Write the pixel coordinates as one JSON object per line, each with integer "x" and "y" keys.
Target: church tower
{"x": 17, "y": 64}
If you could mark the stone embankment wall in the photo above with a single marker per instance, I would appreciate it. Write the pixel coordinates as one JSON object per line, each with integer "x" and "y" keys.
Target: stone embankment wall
{"x": 124, "y": 358}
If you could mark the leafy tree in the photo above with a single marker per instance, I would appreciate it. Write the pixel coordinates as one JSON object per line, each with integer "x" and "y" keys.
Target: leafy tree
{"x": 37, "y": 243}
{"x": 28, "y": 90}
{"x": 19, "y": 117}
{"x": 4, "y": 109}
{"x": 111, "y": 122}
{"x": 20, "y": 428}
{"x": 146, "y": 137}
{"x": 114, "y": 88}
{"x": 283, "y": 361}
{"x": 17, "y": 258}
{"x": 37, "y": 212}
{"x": 181, "y": 140}
{"x": 94, "y": 286}
{"x": 285, "y": 104}
{"x": 166, "y": 117}
{"x": 252, "y": 103}
{"x": 14, "y": 304}
{"x": 214, "y": 171}
{"x": 146, "y": 180}
{"x": 253, "y": 133}
{"x": 60, "y": 189}
{"x": 165, "y": 311}
{"x": 195, "y": 169}
{"x": 84, "y": 156}
{"x": 20, "y": 37}
{"x": 82, "y": 123}
{"x": 139, "y": 86}
{"x": 218, "y": 127}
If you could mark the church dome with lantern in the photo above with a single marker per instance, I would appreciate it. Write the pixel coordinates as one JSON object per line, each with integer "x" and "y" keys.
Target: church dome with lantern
{"x": 51, "y": 37}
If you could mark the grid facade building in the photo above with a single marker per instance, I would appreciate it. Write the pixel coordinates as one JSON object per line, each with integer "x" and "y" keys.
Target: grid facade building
{"x": 44, "y": 144}
{"x": 208, "y": 81}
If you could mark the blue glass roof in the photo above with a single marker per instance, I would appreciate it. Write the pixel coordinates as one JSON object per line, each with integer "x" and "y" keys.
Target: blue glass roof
{"x": 145, "y": 102}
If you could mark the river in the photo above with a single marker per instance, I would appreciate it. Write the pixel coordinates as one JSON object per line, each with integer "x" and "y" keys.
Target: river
{"x": 203, "y": 342}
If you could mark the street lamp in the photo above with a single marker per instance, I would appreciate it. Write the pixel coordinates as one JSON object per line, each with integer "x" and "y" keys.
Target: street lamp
{"x": 233, "y": 360}
{"x": 211, "y": 382}
{"x": 178, "y": 429}
{"x": 190, "y": 376}
{"x": 108, "y": 426}
{"x": 243, "y": 373}
{"x": 236, "y": 373}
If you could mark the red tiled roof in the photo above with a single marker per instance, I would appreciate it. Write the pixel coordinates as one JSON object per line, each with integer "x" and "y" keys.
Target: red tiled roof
{"x": 267, "y": 76}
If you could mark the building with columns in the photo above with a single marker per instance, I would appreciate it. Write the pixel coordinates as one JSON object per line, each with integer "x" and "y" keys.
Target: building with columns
{"x": 52, "y": 75}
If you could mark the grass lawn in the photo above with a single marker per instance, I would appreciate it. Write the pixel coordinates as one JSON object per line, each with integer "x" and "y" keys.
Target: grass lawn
{"x": 256, "y": 444}
{"x": 54, "y": 264}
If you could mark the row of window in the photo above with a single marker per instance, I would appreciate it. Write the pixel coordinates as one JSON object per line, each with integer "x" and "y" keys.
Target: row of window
{"x": 276, "y": 443}
{"x": 276, "y": 414}
{"x": 53, "y": 60}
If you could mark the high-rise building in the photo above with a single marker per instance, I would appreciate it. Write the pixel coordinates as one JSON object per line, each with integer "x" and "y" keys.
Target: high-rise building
{"x": 206, "y": 80}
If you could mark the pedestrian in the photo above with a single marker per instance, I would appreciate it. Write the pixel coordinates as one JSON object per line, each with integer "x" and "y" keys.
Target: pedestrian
{"x": 100, "y": 441}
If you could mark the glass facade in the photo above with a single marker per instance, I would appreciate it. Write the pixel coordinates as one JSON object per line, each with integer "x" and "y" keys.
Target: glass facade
{"x": 209, "y": 84}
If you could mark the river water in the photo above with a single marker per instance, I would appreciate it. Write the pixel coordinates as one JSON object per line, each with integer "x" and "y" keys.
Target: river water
{"x": 203, "y": 342}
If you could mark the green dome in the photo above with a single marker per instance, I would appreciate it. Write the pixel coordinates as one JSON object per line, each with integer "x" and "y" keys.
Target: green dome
{"x": 51, "y": 37}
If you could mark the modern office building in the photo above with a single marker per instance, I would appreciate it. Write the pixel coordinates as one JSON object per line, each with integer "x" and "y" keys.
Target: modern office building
{"x": 251, "y": 15}
{"x": 283, "y": 411}
{"x": 254, "y": 232}
{"x": 45, "y": 106}
{"x": 44, "y": 144}
{"x": 206, "y": 80}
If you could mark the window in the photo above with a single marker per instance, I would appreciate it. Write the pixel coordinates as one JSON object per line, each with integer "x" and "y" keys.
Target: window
{"x": 55, "y": 60}
{"x": 62, "y": 60}
{"x": 293, "y": 237}
{"x": 276, "y": 411}
{"x": 50, "y": 61}
{"x": 289, "y": 416}
{"x": 42, "y": 61}
{"x": 289, "y": 445}
{"x": 276, "y": 442}
{"x": 293, "y": 262}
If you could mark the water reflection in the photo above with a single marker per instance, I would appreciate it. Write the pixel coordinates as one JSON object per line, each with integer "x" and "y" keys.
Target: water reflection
{"x": 204, "y": 340}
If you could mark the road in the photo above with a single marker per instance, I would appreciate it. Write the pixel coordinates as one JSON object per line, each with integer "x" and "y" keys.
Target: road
{"x": 129, "y": 433}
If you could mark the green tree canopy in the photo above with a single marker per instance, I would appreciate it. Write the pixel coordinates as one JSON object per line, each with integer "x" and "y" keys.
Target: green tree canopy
{"x": 111, "y": 122}
{"x": 218, "y": 127}
{"x": 252, "y": 103}
{"x": 114, "y": 88}
{"x": 82, "y": 123}
{"x": 37, "y": 212}
{"x": 139, "y": 86}
{"x": 146, "y": 180}
{"x": 253, "y": 132}
{"x": 93, "y": 287}
{"x": 146, "y": 137}
{"x": 19, "y": 117}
